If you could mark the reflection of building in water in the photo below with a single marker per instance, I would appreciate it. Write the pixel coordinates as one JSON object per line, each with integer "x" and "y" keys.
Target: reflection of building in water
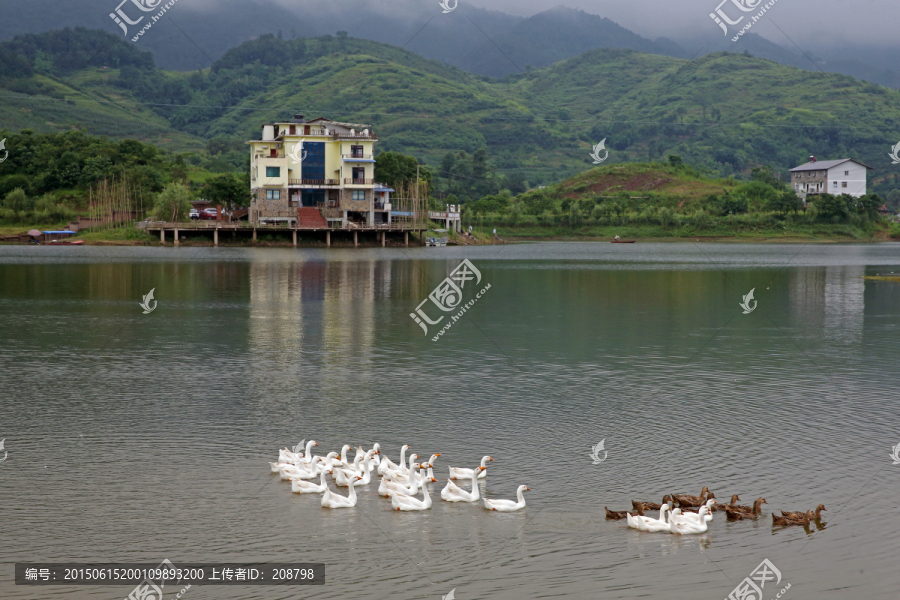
{"x": 844, "y": 303}
{"x": 830, "y": 299}
{"x": 311, "y": 307}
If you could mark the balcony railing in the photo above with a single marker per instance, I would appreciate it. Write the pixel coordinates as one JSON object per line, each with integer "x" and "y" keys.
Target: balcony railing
{"x": 352, "y": 181}
{"x": 313, "y": 182}
{"x": 358, "y": 135}
{"x": 357, "y": 155}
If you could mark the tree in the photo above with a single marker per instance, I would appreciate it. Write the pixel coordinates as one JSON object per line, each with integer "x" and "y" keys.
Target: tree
{"x": 17, "y": 200}
{"x": 227, "y": 190}
{"x": 675, "y": 161}
{"x": 768, "y": 176}
{"x": 395, "y": 169}
{"x": 173, "y": 203}
{"x": 868, "y": 205}
{"x": 785, "y": 202}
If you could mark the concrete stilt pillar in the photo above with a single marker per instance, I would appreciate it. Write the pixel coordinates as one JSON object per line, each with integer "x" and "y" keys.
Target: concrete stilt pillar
{"x": 295, "y": 238}
{"x": 406, "y": 238}
{"x": 254, "y": 235}
{"x": 216, "y": 236}
{"x": 162, "y": 235}
{"x": 355, "y": 241}
{"x": 176, "y": 236}
{"x": 383, "y": 234}
{"x": 328, "y": 239}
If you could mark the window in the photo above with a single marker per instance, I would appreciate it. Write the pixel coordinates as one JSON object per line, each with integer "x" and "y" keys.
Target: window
{"x": 314, "y": 164}
{"x": 359, "y": 194}
{"x": 273, "y": 194}
{"x": 796, "y": 186}
{"x": 843, "y": 184}
{"x": 834, "y": 184}
{"x": 846, "y": 173}
{"x": 273, "y": 171}
{"x": 359, "y": 173}
{"x": 273, "y": 153}
{"x": 293, "y": 130}
{"x": 356, "y": 151}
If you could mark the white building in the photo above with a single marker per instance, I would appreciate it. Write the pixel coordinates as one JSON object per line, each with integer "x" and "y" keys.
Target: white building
{"x": 836, "y": 177}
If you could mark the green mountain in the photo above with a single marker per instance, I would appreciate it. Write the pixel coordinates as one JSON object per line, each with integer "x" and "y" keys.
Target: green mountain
{"x": 723, "y": 113}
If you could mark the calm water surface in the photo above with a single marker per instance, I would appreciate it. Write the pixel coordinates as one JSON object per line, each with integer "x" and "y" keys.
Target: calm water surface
{"x": 134, "y": 438}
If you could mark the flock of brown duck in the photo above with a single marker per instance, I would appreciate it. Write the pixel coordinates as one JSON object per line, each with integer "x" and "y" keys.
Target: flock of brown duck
{"x": 733, "y": 511}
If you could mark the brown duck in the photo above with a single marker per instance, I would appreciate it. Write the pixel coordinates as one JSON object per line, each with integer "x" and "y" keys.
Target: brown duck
{"x": 620, "y": 514}
{"x": 717, "y": 507}
{"x": 750, "y": 509}
{"x": 745, "y": 512}
{"x": 784, "y": 521}
{"x": 637, "y": 504}
{"x": 800, "y": 515}
{"x": 686, "y": 501}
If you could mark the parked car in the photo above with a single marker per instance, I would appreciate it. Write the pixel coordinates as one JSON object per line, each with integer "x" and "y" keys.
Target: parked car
{"x": 194, "y": 214}
{"x": 208, "y": 214}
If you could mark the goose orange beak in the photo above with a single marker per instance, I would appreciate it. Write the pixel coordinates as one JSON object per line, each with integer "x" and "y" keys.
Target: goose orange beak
{"x": 438, "y": 454}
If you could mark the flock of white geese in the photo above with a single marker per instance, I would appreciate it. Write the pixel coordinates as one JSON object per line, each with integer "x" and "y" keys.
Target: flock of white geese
{"x": 401, "y": 482}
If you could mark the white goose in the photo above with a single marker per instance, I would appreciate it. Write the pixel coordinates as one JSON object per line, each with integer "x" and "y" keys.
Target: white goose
{"x": 298, "y": 486}
{"x": 403, "y": 502}
{"x": 388, "y": 464}
{"x": 402, "y": 472}
{"x": 454, "y": 493}
{"x": 342, "y": 477}
{"x": 463, "y": 473}
{"x": 332, "y": 500}
{"x": 392, "y": 487}
{"x": 508, "y": 505}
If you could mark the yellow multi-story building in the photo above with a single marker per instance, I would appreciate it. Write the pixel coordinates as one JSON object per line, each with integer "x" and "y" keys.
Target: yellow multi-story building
{"x": 315, "y": 174}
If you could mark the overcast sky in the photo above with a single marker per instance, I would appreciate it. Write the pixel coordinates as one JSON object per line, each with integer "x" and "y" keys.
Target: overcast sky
{"x": 856, "y": 21}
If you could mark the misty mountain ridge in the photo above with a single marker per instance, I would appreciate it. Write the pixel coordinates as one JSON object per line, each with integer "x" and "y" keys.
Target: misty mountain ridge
{"x": 480, "y": 41}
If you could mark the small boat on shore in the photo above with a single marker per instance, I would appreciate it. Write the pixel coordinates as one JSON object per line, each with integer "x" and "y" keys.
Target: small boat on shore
{"x": 623, "y": 241}
{"x": 50, "y": 240}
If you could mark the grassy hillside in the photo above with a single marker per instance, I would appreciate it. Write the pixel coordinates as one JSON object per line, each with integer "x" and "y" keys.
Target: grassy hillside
{"x": 655, "y": 200}
{"x": 724, "y": 113}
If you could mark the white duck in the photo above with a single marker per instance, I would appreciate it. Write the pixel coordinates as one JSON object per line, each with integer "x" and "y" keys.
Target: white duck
{"x": 312, "y": 470}
{"x": 298, "y": 486}
{"x": 463, "y": 473}
{"x": 650, "y": 524}
{"x": 680, "y": 526}
{"x": 454, "y": 493}
{"x": 695, "y": 516}
{"x": 388, "y": 465}
{"x": 403, "y": 502}
{"x": 508, "y": 505}
{"x": 332, "y": 500}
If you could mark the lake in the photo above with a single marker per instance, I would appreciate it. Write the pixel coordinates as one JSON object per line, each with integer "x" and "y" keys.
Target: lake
{"x": 136, "y": 437}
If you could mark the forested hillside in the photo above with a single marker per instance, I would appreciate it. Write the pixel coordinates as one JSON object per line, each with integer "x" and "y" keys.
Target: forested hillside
{"x": 724, "y": 113}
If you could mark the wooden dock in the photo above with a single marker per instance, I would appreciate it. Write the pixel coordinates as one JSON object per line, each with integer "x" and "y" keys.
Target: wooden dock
{"x": 179, "y": 231}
